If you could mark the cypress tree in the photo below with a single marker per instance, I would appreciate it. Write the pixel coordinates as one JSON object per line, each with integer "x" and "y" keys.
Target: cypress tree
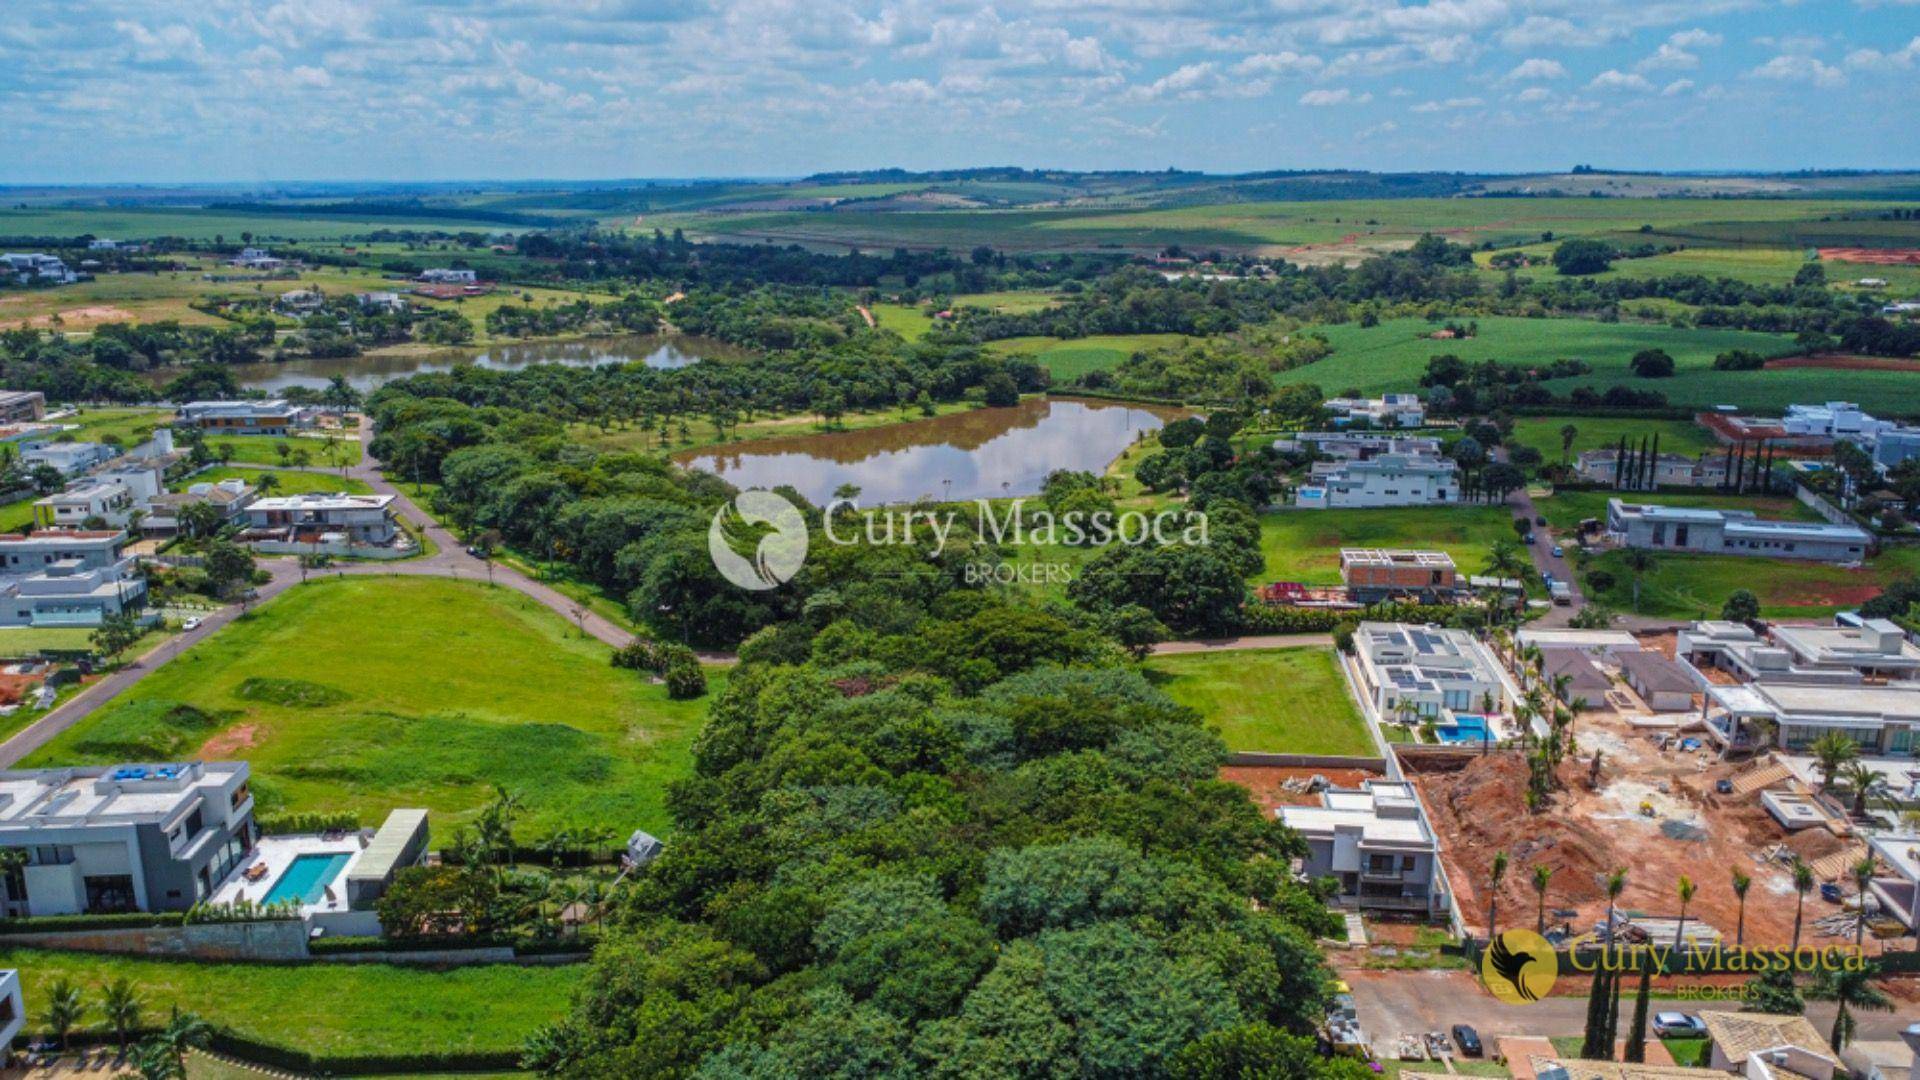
{"x": 1726, "y": 474}
{"x": 1596, "y": 1013}
{"x": 1620, "y": 465}
{"x": 1739, "y": 474}
{"x": 1653, "y": 464}
{"x": 1612, "y": 1034}
{"x": 1637, "y": 1034}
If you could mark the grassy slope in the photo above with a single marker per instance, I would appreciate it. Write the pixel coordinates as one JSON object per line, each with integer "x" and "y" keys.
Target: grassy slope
{"x": 450, "y": 688}
{"x": 1304, "y": 545}
{"x": 1282, "y": 700}
{"x": 334, "y": 1008}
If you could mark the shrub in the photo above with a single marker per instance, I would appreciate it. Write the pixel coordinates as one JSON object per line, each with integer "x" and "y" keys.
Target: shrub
{"x": 1652, "y": 364}
{"x": 310, "y": 822}
{"x": 686, "y": 680}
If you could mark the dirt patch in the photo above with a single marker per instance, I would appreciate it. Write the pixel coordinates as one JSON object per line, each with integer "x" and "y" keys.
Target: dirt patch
{"x": 1266, "y": 783}
{"x": 92, "y": 315}
{"x": 1873, "y": 256}
{"x": 1845, "y": 362}
{"x": 229, "y": 742}
{"x": 1830, "y": 595}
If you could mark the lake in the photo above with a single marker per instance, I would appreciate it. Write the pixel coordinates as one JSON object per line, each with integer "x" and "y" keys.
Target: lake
{"x": 980, "y": 454}
{"x": 368, "y": 372}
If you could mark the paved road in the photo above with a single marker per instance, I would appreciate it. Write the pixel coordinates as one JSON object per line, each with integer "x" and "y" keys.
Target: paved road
{"x": 1395, "y": 1003}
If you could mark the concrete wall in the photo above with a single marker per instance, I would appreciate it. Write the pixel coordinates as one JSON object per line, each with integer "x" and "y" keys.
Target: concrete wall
{"x": 338, "y": 551}
{"x": 1306, "y": 761}
{"x": 280, "y": 939}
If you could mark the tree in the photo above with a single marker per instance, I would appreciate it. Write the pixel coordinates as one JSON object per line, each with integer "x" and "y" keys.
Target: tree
{"x": 1803, "y": 882}
{"x": 1568, "y": 433}
{"x": 1652, "y": 364}
{"x": 1000, "y": 389}
{"x": 1848, "y": 990}
{"x": 229, "y": 569}
{"x": 1636, "y": 1049}
{"x": 64, "y": 1009}
{"x": 1616, "y": 884}
{"x": 1831, "y": 752}
{"x": 1773, "y": 991}
{"x": 115, "y": 635}
{"x": 1741, "y": 606}
{"x": 163, "y": 1055}
{"x": 120, "y": 1004}
{"x": 1685, "y": 887}
{"x": 1862, "y": 881}
{"x": 1542, "y": 875}
{"x": 1640, "y": 563}
{"x": 1494, "y": 877}
{"x": 1741, "y": 883}
{"x": 1582, "y": 256}
{"x": 200, "y": 519}
{"x": 1864, "y": 781}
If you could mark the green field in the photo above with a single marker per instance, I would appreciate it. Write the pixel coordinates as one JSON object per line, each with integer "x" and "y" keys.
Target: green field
{"x": 264, "y": 449}
{"x": 130, "y": 426}
{"x": 1393, "y": 355}
{"x": 287, "y": 481}
{"x": 367, "y": 694}
{"x": 138, "y": 223}
{"x": 1069, "y": 359}
{"x": 1593, "y": 432}
{"x": 345, "y": 1009}
{"x": 1292, "y": 701}
{"x": 1304, "y": 545}
{"x": 1694, "y": 586}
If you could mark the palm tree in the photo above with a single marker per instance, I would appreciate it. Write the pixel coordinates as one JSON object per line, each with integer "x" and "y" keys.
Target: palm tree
{"x": 1542, "y": 874}
{"x": 65, "y": 1008}
{"x": 120, "y": 1004}
{"x": 1849, "y": 989}
{"x": 1640, "y": 563}
{"x": 1741, "y": 883}
{"x": 1803, "y": 884}
{"x": 1686, "y": 888}
{"x": 1616, "y": 884}
{"x": 1862, "y": 880}
{"x": 1830, "y": 752}
{"x": 1864, "y": 781}
{"x": 1493, "y": 893}
{"x": 1407, "y": 711}
{"x": 163, "y": 1056}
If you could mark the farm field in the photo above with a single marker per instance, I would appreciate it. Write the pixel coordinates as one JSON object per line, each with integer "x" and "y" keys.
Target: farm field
{"x": 1068, "y": 359}
{"x": 1304, "y": 545}
{"x": 1694, "y": 586}
{"x": 1279, "y": 700}
{"x": 264, "y": 449}
{"x": 1754, "y": 265}
{"x": 192, "y": 223}
{"x": 367, "y": 694}
{"x": 286, "y": 481}
{"x": 340, "y": 1009}
{"x": 1393, "y": 355}
{"x": 1593, "y": 432}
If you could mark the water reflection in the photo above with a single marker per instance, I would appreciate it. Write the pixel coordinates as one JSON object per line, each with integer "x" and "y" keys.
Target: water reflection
{"x": 368, "y": 372}
{"x": 983, "y": 453}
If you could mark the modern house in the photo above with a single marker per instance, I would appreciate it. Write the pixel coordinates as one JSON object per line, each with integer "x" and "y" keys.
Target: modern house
{"x": 1899, "y": 890}
{"x": 382, "y": 301}
{"x": 1883, "y": 719}
{"x": 1669, "y": 470}
{"x": 313, "y": 518}
{"x": 22, "y": 406}
{"x": 1768, "y": 1046}
{"x": 67, "y": 578}
{"x": 1358, "y": 445}
{"x": 123, "y": 837}
{"x": 1599, "y": 644}
{"x": 1834, "y": 655}
{"x": 1373, "y": 574}
{"x": 1833, "y": 420}
{"x": 163, "y": 510}
{"x": 98, "y": 502}
{"x": 71, "y": 458}
{"x": 13, "y": 1008}
{"x": 300, "y": 301}
{"x": 1665, "y": 685}
{"x": 1387, "y": 480}
{"x": 1392, "y": 410}
{"x": 29, "y": 267}
{"x": 273, "y": 417}
{"x": 1732, "y": 532}
{"x": 445, "y": 276}
{"x": 1376, "y": 843}
{"x": 1433, "y": 669}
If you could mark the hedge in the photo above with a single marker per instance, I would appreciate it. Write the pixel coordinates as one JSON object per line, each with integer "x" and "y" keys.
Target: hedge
{"x": 325, "y": 946}
{"x": 314, "y": 822}
{"x": 133, "y": 920}
{"x": 308, "y": 1063}
{"x": 1259, "y": 618}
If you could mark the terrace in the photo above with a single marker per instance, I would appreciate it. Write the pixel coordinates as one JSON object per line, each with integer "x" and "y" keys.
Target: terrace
{"x": 307, "y": 870}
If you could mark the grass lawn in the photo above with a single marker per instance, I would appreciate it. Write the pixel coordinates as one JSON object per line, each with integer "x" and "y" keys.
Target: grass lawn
{"x": 1304, "y": 545}
{"x": 1695, "y": 586}
{"x": 367, "y": 694}
{"x": 1281, "y": 700}
{"x": 1688, "y": 1053}
{"x": 1592, "y": 432}
{"x": 908, "y": 321}
{"x": 1394, "y": 354}
{"x": 287, "y": 481}
{"x": 15, "y": 516}
{"x": 263, "y": 449}
{"x": 131, "y": 426}
{"x": 348, "y": 1009}
{"x": 1069, "y": 359}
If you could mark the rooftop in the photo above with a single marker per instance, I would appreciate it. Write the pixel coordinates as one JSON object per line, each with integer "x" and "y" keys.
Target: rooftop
{"x": 1385, "y": 812}
{"x": 1739, "y": 1034}
{"x": 321, "y": 501}
{"x": 1656, "y": 672}
{"x": 94, "y": 795}
{"x": 1432, "y": 560}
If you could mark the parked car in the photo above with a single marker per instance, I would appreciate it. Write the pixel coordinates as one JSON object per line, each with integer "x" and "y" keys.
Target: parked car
{"x": 1723, "y": 787}
{"x": 1557, "y": 552}
{"x": 1468, "y": 1040}
{"x": 191, "y": 624}
{"x": 1541, "y": 520}
{"x": 1677, "y": 1025}
{"x": 1832, "y": 893}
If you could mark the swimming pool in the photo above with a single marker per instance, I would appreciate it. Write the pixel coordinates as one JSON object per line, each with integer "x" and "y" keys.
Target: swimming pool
{"x": 306, "y": 878}
{"x": 1466, "y": 728}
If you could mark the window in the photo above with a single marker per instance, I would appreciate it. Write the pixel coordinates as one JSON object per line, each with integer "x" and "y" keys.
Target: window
{"x": 1406, "y": 862}
{"x": 110, "y": 893}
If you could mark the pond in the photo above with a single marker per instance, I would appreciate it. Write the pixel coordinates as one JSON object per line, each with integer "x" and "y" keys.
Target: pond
{"x": 368, "y": 372}
{"x": 980, "y": 454}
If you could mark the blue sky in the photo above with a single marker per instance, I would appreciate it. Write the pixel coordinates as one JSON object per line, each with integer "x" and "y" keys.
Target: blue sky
{"x": 195, "y": 90}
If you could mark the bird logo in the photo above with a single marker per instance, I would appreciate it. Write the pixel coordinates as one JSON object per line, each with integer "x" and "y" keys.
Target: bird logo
{"x": 1519, "y": 967}
{"x": 758, "y": 540}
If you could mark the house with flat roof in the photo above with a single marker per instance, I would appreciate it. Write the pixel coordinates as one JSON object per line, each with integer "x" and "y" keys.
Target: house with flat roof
{"x": 1898, "y": 890}
{"x": 1732, "y": 532}
{"x": 1597, "y": 643}
{"x": 1387, "y": 411}
{"x": 71, "y": 458}
{"x": 1387, "y": 480}
{"x": 311, "y": 518}
{"x": 440, "y": 275}
{"x": 1768, "y": 1046}
{"x": 1435, "y": 670}
{"x": 57, "y": 577}
{"x": 1374, "y": 841}
{"x": 1602, "y": 466}
{"x": 22, "y": 406}
{"x": 1882, "y": 719}
{"x": 1836, "y": 655}
{"x": 1832, "y": 420}
{"x": 273, "y": 417}
{"x": 1358, "y": 445}
{"x": 1373, "y": 574}
{"x": 13, "y": 1008}
{"x": 141, "y": 837}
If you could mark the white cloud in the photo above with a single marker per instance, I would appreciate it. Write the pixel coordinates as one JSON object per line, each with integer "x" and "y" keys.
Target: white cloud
{"x": 1447, "y": 105}
{"x": 1282, "y": 63}
{"x": 1341, "y": 96}
{"x": 1668, "y": 56}
{"x": 1676, "y": 87}
{"x": 1615, "y": 79}
{"x": 1539, "y": 30}
{"x": 1800, "y": 69}
{"x": 1532, "y": 94}
{"x": 1537, "y": 68}
{"x": 305, "y": 75}
{"x": 1875, "y": 60}
{"x": 1694, "y": 39}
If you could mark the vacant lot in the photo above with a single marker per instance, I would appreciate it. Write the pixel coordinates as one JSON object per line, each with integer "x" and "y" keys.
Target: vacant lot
{"x": 1304, "y": 545}
{"x": 1071, "y": 358}
{"x": 1593, "y": 432}
{"x": 1281, "y": 700}
{"x": 1695, "y": 586}
{"x": 367, "y": 694}
{"x": 285, "y": 481}
{"x": 265, "y": 449}
{"x": 347, "y": 1009}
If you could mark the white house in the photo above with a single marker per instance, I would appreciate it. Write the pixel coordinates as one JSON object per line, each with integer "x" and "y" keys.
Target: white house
{"x": 270, "y": 417}
{"x": 1435, "y": 670}
{"x": 1833, "y": 420}
{"x": 1766, "y": 1046}
{"x": 1387, "y": 480}
{"x": 1390, "y": 410}
{"x": 71, "y": 458}
{"x": 445, "y": 276}
{"x": 1375, "y": 843}
{"x": 38, "y": 266}
{"x": 357, "y": 519}
{"x": 57, "y": 577}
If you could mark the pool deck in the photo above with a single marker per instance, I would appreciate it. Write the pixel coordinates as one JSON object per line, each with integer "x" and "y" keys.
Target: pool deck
{"x": 277, "y": 854}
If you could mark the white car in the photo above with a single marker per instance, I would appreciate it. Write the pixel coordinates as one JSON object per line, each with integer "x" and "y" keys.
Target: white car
{"x": 191, "y": 624}
{"x": 1677, "y": 1025}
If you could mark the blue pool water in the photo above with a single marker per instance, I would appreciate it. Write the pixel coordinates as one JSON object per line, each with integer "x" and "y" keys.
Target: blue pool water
{"x": 307, "y": 878}
{"x": 1465, "y": 728}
